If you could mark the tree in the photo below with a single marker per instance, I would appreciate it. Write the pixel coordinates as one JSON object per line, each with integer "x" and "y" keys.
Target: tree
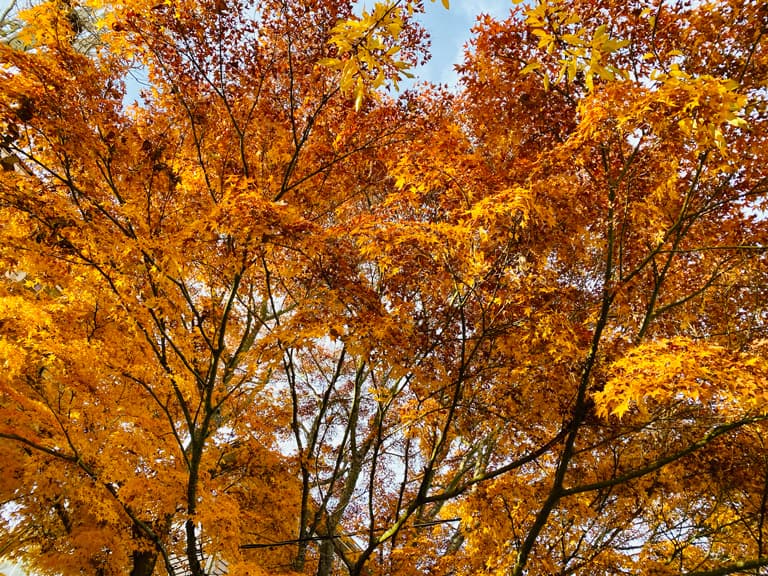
{"x": 162, "y": 261}
{"x": 272, "y": 313}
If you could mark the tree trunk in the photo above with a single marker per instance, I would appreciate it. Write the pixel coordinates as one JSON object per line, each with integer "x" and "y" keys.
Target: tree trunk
{"x": 144, "y": 562}
{"x": 325, "y": 565}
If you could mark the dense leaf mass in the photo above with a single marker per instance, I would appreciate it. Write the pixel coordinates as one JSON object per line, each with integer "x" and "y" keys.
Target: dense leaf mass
{"x": 267, "y": 308}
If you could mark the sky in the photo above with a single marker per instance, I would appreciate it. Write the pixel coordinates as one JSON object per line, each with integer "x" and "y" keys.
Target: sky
{"x": 450, "y": 31}
{"x": 7, "y": 568}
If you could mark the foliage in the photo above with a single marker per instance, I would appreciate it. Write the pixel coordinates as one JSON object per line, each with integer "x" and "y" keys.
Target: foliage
{"x": 271, "y": 311}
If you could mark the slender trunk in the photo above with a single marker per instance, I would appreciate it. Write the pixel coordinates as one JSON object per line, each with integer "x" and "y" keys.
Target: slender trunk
{"x": 144, "y": 559}
{"x": 195, "y": 567}
{"x": 144, "y": 562}
{"x": 325, "y": 565}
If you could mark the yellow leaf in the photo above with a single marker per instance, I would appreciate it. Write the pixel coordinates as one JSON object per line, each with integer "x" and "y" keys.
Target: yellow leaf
{"x": 738, "y": 122}
{"x": 621, "y": 408}
{"x": 530, "y": 67}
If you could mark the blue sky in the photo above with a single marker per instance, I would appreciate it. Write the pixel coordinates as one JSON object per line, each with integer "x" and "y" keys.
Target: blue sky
{"x": 450, "y": 30}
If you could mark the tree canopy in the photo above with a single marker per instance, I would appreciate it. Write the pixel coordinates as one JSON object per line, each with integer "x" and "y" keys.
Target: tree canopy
{"x": 273, "y": 312}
